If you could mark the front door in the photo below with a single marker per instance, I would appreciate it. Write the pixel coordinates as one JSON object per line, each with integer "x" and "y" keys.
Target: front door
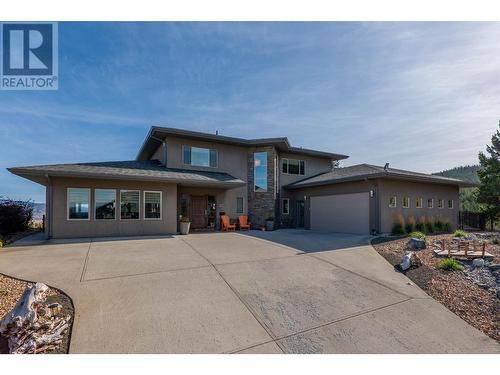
{"x": 300, "y": 214}
{"x": 198, "y": 212}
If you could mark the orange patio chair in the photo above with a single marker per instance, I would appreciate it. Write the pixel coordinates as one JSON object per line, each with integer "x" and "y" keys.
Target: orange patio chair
{"x": 244, "y": 224}
{"x": 226, "y": 225}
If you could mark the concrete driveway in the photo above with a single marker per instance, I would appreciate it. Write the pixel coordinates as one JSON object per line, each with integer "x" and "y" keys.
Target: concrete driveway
{"x": 288, "y": 291}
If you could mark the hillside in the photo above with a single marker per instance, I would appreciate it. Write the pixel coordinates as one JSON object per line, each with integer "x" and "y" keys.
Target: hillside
{"x": 466, "y": 173}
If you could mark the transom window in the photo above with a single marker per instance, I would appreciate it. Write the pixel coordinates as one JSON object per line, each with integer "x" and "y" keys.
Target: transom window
{"x": 285, "y": 208}
{"x": 292, "y": 166}
{"x": 392, "y": 201}
{"x": 430, "y": 203}
{"x": 418, "y": 202}
{"x": 105, "y": 204}
{"x": 440, "y": 203}
{"x": 78, "y": 203}
{"x": 406, "y": 202}
{"x": 260, "y": 171}
{"x": 152, "y": 205}
{"x": 450, "y": 203}
{"x": 129, "y": 204}
{"x": 201, "y": 157}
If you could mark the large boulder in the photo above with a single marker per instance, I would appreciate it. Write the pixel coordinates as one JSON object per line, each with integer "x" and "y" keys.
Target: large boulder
{"x": 478, "y": 262}
{"x": 416, "y": 244}
{"x": 406, "y": 261}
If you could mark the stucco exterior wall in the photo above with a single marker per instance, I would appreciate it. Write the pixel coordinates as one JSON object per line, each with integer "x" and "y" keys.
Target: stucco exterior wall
{"x": 313, "y": 166}
{"x": 388, "y": 215}
{"x": 61, "y": 227}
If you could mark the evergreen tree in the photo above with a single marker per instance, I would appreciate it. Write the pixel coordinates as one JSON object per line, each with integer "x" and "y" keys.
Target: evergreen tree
{"x": 489, "y": 174}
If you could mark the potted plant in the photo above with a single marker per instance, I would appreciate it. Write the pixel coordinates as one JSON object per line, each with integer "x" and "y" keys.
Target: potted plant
{"x": 270, "y": 223}
{"x": 185, "y": 225}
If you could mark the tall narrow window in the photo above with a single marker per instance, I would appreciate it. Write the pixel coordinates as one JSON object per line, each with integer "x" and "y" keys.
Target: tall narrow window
{"x": 152, "y": 205}
{"x": 440, "y": 203}
{"x": 201, "y": 157}
{"x": 78, "y": 203}
{"x": 406, "y": 202}
{"x": 260, "y": 171}
{"x": 418, "y": 202}
{"x": 450, "y": 203}
{"x": 285, "y": 208}
{"x": 239, "y": 205}
{"x": 392, "y": 201}
{"x": 105, "y": 204}
{"x": 129, "y": 204}
{"x": 430, "y": 203}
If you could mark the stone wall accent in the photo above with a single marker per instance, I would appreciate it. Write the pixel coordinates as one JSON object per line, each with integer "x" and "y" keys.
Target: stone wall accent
{"x": 261, "y": 204}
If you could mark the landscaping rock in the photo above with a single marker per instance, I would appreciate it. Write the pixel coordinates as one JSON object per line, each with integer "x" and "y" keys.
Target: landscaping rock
{"x": 478, "y": 262}
{"x": 498, "y": 293}
{"x": 494, "y": 266}
{"x": 416, "y": 244}
{"x": 406, "y": 261}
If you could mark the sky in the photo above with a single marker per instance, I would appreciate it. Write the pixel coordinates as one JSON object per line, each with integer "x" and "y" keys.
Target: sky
{"x": 421, "y": 96}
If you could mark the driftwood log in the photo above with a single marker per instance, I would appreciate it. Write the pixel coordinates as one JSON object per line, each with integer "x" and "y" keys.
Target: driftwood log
{"x": 32, "y": 327}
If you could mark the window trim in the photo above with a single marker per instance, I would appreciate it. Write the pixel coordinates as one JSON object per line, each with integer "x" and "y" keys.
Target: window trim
{"x": 452, "y": 204}
{"x": 395, "y": 201}
{"x": 201, "y": 166}
{"x": 442, "y": 206}
{"x": 130, "y": 190}
{"x": 409, "y": 202}
{"x": 242, "y": 205}
{"x": 144, "y": 205}
{"x": 67, "y": 203}
{"x": 283, "y": 206}
{"x": 288, "y": 168}
{"x": 432, "y": 202}
{"x": 417, "y": 199}
{"x": 95, "y": 204}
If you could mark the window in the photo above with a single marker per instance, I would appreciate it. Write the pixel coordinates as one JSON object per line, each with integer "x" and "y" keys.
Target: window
{"x": 285, "y": 208}
{"x": 239, "y": 205}
{"x": 440, "y": 203}
{"x": 78, "y": 203}
{"x": 129, "y": 204}
{"x": 392, "y": 201}
{"x": 152, "y": 205}
{"x": 406, "y": 202}
{"x": 292, "y": 166}
{"x": 418, "y": 202}
{"x": 260, "y": 171}
{"x": 201, "y": 157}
{"x": 105, "y": 204}
{"x": 430, "y": 203}
{"x": 450, "y": 203}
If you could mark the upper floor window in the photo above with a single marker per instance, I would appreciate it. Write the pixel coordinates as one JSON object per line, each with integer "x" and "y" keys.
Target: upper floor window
{"x": 440, "y": 203}
{"x": 450, "y": 203}
{"x": 200, "y": 157}
{"x": 292, "y": 166}
{"x": 260, "y": 171}
{"x": 78, "y": 204}
{"x": 406, "y": 202}
{"x": 105, "y": 203}
{"x": 430, "y": 203}
{"x": 418, "y": 202}
{"x": 392, "y": 201}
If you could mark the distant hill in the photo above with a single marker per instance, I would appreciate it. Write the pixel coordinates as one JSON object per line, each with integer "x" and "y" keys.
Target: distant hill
{"x": 465, "y": 173}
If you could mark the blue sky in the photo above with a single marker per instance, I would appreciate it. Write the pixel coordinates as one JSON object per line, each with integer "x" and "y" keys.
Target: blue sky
{"x": 422, "y": 96}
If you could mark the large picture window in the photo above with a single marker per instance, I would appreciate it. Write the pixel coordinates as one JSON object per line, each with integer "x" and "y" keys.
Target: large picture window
{"x": 201, "y": 157}
{"x": 78, "y": 203}
{"x": 152, "y": 205}
{"x": 292, "y": 166}
{"x": 129, "y": 204}
{"x": 105, "y": 203}
{"x": 260, "y": 171}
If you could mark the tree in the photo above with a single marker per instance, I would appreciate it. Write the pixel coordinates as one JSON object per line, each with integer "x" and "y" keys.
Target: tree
{"x": 489, "y": 192}
{"x": 15, "y": 216}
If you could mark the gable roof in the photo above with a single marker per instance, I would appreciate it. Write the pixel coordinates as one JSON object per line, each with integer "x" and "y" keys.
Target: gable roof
{"x": 150, "y": 170}
{"x": 368, "y": 171}
{"x": 157, "y": 134}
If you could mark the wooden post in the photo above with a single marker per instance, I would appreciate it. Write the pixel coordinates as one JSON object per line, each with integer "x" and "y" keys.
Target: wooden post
{"x": 484, "y": 249}
{"x": 449, "y": 248}
{"x": 466, "y": 248}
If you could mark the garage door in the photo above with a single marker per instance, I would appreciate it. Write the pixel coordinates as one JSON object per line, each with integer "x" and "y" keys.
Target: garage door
{"x": 345, "y": 213}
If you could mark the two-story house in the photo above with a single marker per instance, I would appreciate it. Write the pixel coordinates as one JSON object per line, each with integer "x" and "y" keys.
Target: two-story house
{"x": 180, "y": 173}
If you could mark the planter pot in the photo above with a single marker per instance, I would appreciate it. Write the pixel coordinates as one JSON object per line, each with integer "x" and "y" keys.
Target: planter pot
{"x": 185, "y": 227}
{"x": 269, "y": 225}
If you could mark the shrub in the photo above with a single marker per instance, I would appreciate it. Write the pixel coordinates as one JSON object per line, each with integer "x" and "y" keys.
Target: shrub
{"x": 447, "y": 227}
{"x": 429, "y": 227}
{"x": 495, "y": 241}
{"x": 417, "y": 234}
{"x": 397, "y": 229}
{"x": 15, "y": 216}
{"x": 450, "y": 264}
{"x": 438, "y": 225}
{"x": 420, "y": 226}
{"x": 459, "y": 233}
{"x": 409, "y": 227}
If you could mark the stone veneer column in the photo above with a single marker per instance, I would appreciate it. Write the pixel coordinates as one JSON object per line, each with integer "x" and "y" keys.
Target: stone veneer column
{"x": 261, "y": 204}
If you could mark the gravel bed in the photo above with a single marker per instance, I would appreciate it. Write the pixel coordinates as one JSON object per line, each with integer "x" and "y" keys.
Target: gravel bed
{"x": 459, "y": 291}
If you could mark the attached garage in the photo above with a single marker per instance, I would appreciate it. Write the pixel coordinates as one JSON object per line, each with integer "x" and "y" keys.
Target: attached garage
{"x": 344, "y": 213}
